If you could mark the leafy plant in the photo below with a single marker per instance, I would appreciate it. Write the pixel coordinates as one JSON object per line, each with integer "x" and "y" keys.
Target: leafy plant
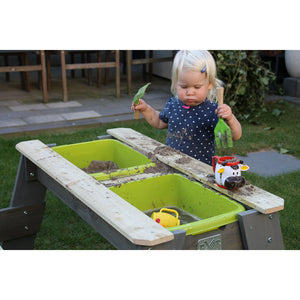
{"x": 246, "y": 80}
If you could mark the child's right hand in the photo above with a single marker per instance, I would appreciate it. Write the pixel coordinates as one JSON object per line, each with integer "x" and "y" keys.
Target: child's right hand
{"x": 142, "y": 106}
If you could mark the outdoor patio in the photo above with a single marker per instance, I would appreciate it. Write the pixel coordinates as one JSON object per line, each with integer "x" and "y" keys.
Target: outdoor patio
{"x": 88, "y": 103}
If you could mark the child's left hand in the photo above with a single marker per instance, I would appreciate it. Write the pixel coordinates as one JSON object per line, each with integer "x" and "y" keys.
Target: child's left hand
{"x": 224, "y": 111}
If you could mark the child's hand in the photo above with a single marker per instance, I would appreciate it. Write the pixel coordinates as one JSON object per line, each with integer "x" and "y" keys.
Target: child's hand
{"x": 142, "y": 106}
{"x": 224, "y": 111}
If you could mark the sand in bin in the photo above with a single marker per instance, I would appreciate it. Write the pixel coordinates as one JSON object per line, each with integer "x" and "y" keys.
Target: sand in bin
{"x": 97, "y": 166}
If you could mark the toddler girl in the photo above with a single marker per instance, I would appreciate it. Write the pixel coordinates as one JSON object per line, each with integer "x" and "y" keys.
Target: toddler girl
{"x": 192, "y": 114}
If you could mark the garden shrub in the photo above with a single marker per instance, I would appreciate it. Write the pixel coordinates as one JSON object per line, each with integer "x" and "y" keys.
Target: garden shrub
{"x": 246, "y": 81}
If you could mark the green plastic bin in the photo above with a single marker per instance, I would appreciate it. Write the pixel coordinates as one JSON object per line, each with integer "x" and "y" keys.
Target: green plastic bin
{"x": 173, "y": 190}
{"x": 128, "y": 160}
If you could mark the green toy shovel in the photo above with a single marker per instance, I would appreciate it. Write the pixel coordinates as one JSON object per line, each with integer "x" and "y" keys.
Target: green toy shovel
{"x": 222, "y": 131}
{"x": 139, "y": 95}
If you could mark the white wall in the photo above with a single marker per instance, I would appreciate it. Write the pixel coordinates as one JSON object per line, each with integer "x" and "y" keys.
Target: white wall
{"x": 162, "y": 69}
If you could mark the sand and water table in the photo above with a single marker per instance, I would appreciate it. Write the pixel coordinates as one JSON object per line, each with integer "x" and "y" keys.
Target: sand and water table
{"x": 118, "y": 202}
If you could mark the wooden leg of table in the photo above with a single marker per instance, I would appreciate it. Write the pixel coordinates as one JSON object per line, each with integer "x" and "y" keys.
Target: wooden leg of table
{"x": 38, "y": 62}
{"x": 99, "y": 70}
{"x": 7, "y": 77}
{"x": 28, "y": 191}
{"x": 22, "y": 77}
{"x": 260, "y": 231}
{"x": 118, "y": 73}
{"x": 107, "y": 54}
{"x": 48, "y": 62}
{"x": 150, "y": 66}
{"x": 128, "y": 64}
{"x": 26, "y": 77}
{"x": 83, "y": 61}
{"x": 144, "y": 72}
{"x": 89, "y": 70}
{"x": 44, "y": 76}
{"x": 72, "y": 62}
{"x": 64, "y": 75}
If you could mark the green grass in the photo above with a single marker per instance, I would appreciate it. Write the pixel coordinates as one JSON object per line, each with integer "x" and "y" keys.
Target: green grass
{"x": 287, "y": 187}
{"x": 271, "y": 131}
{"x": 63, "y": 229}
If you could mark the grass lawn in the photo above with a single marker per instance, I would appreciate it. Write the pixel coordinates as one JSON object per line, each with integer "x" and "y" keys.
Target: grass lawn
{"x": 278, "y": 128}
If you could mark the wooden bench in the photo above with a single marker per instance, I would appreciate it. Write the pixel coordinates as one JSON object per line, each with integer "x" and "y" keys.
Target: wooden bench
{"x": 29, "y": 68}
{"x": 96, "y": 65}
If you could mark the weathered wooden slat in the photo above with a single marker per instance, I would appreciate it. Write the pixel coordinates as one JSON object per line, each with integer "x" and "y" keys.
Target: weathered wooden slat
{"x": 122, "y": 180}
{"x": 16, "y": 222}
{"x": 20, "y": 68}
{"x": 124, "y": 217}
{"x": 150, "y": 60}
{"x": 90, "y": 65}
{"x": 135, "y": 139}
{"x": 249, "y": 195}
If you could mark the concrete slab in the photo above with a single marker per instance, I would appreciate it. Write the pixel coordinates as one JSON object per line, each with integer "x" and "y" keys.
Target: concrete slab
{"x": 9, "y": 103}
{"x": 43, "y": 119}
{"x": 12, "y": 123}
{"x": 270, "y": 163}
{"x": 63, "y": 104}
{"x": 27, "y": 107}
{"x": 80, "y": 115}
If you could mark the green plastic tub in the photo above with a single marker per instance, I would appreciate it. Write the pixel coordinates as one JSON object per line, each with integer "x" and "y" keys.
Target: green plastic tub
{"x": 212, "y": 209}
{"x": 128, "y": 160}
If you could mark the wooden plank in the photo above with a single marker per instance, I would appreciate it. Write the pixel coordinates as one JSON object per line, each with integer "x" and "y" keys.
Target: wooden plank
{"x": 135, "y": 139}
{"x": 249, "y": 195}
{"x": 16, "y": 222}
{"x": 150, "y": 60}
{"x": 124, "y": 217}
{"x": 135, "y": 177}
{"x": 91, "y": 65}
{"x": 21, "y": 68}
{"x": 260, "y": 232}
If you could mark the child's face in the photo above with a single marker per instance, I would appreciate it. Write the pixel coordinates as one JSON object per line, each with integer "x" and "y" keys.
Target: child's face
{"x": 192, "y": 87}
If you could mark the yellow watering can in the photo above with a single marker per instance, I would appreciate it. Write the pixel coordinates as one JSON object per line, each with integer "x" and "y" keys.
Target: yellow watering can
{"x": 166, "y": 219}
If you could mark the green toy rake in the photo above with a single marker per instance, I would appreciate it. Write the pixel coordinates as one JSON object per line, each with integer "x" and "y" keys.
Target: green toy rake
{"x": 222, "y": 131}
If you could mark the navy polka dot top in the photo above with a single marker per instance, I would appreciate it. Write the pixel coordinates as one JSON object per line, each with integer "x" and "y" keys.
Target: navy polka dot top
{"x": 191, "y": 130}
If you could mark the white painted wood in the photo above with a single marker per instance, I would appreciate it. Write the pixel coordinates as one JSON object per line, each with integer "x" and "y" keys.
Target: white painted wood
{"x": 249, "y": 195}
{"x": 124, "y": 217}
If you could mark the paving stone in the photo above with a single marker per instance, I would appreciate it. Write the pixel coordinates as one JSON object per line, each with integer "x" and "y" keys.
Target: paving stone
{"x": 270, "y": 163}
{"x": 80, "y": 115}
{"x": 63, "y": 104}
{"x": 27, "y": 107}
{"x": 11, "y": 123}
{"x": 9, "y": 103}
{"x": 44, "y": 119}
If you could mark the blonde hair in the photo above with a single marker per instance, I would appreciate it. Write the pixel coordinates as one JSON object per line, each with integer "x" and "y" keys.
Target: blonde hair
{"x": 199, "y": 61}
